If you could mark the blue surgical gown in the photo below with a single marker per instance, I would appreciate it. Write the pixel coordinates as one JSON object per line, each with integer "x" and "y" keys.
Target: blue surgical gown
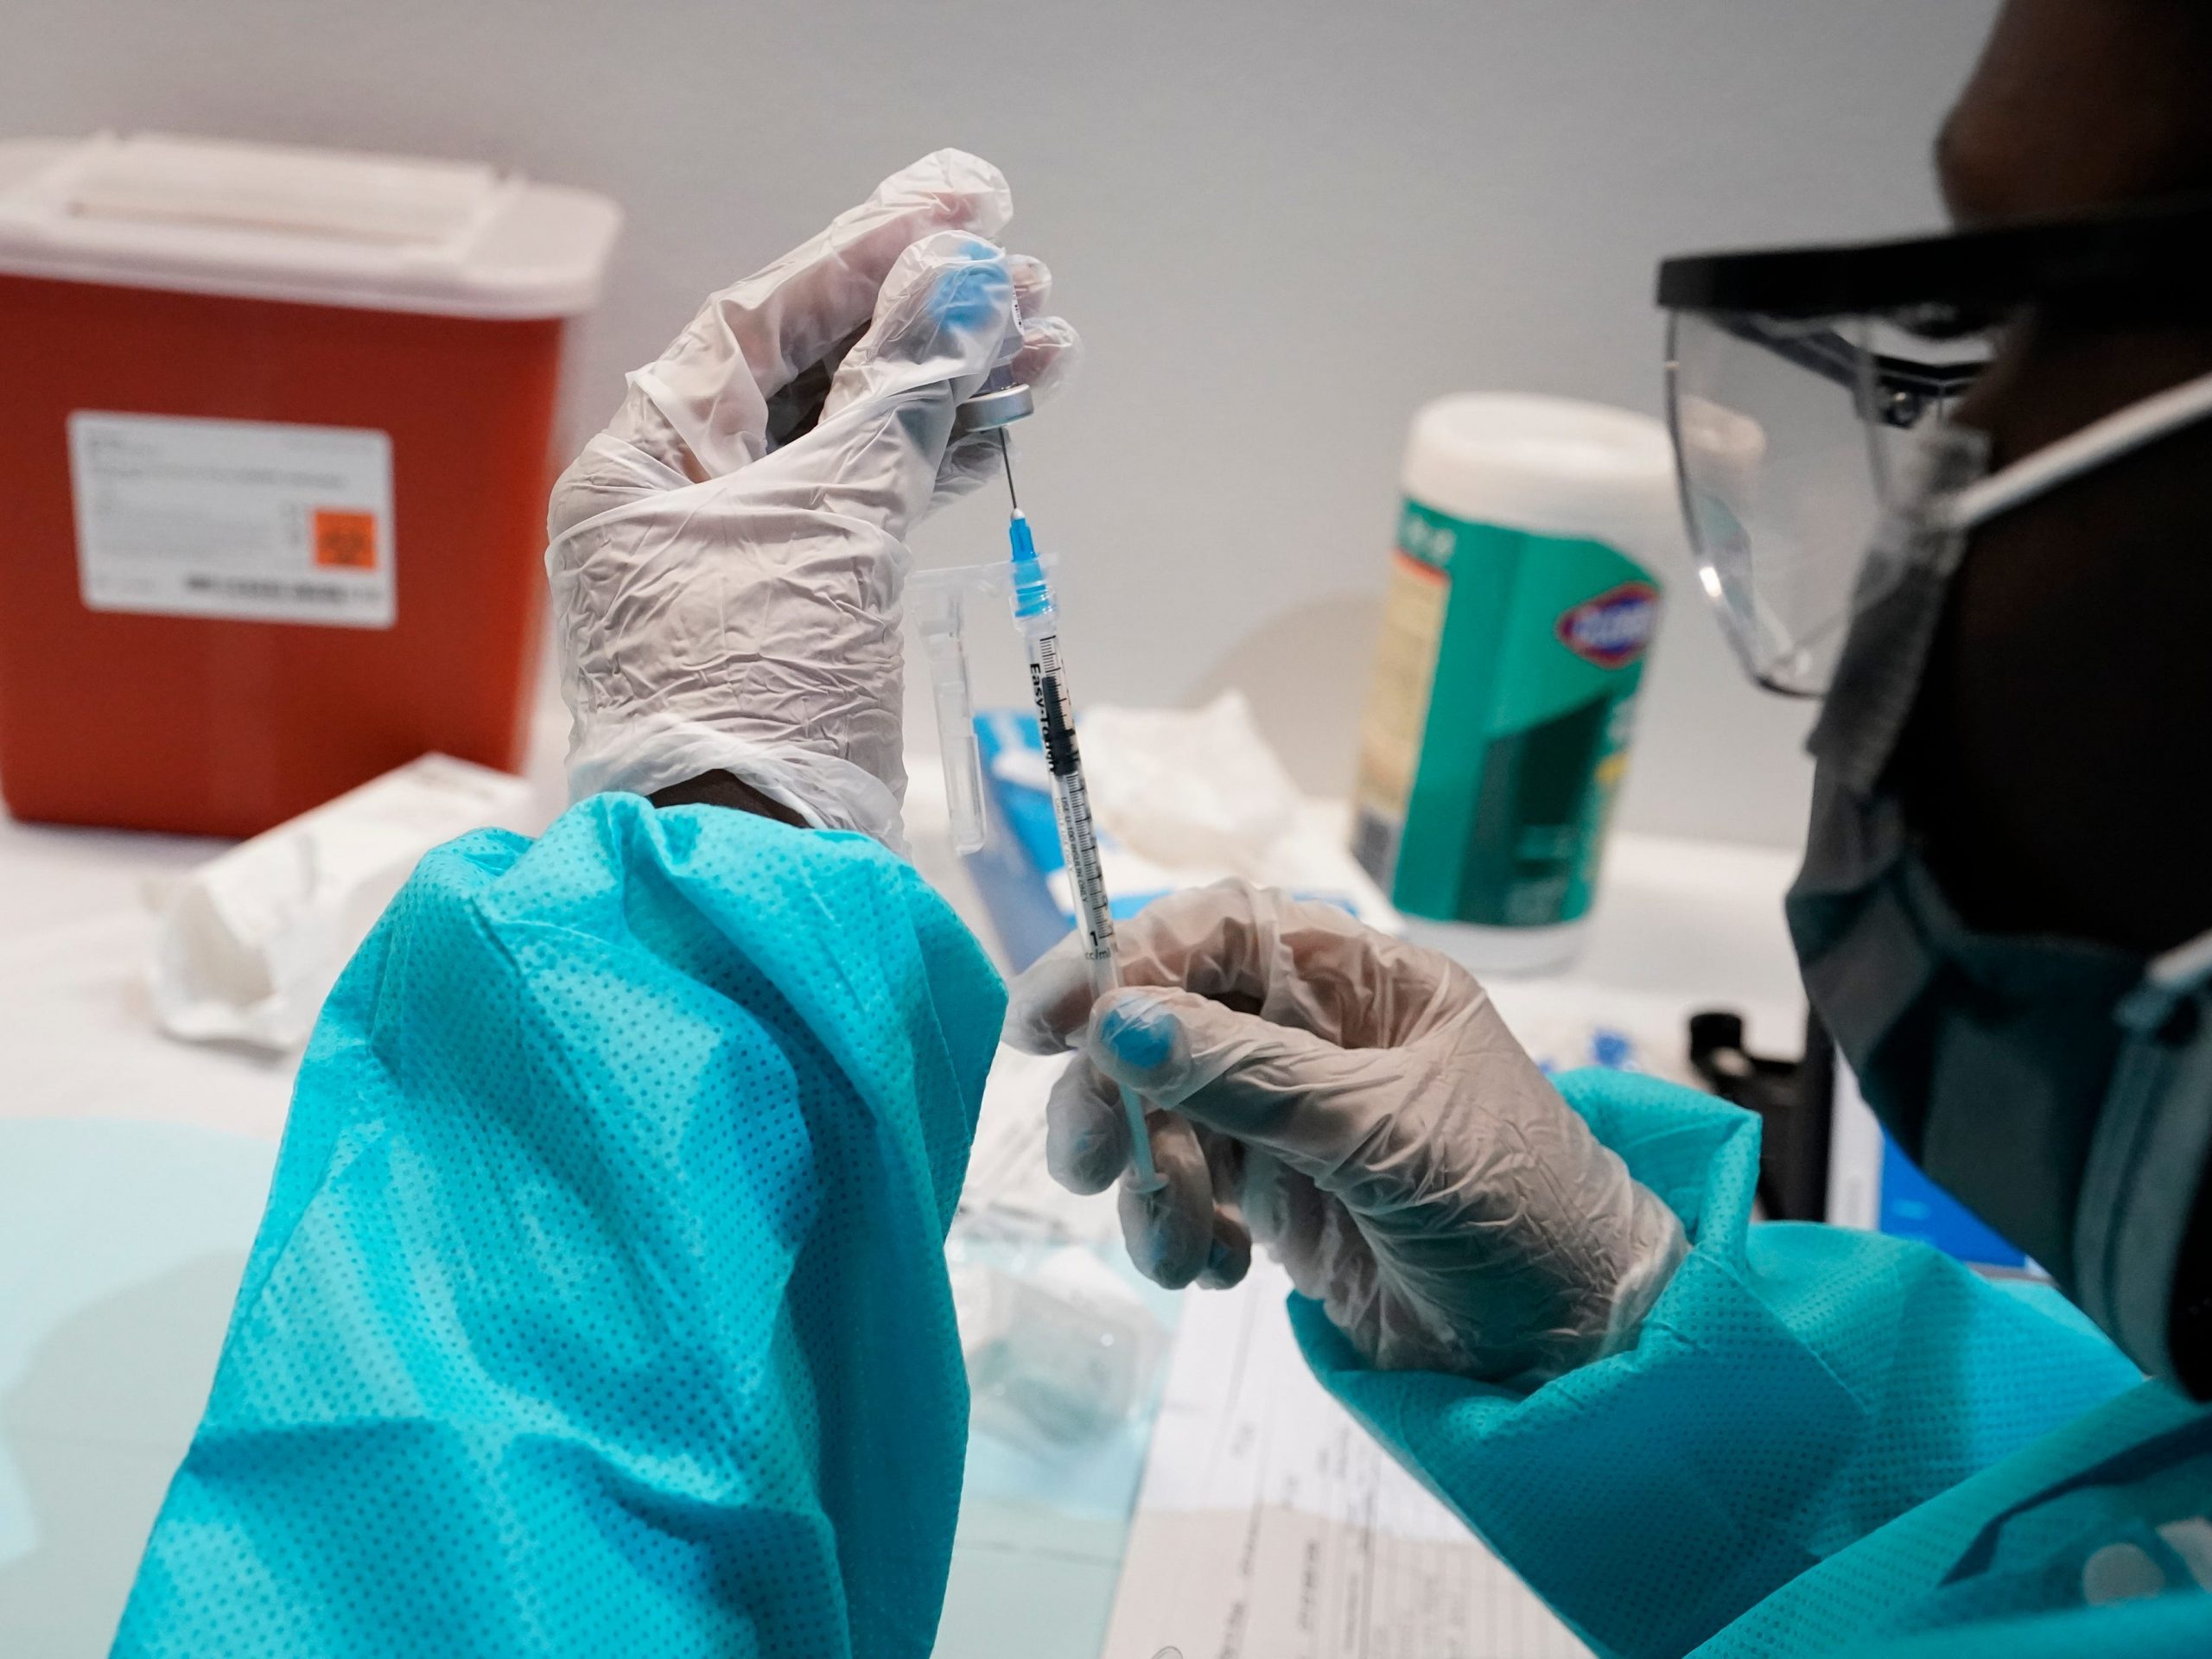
{"x": 1823, "y": 1442}
{"x": 599, "y": 1308}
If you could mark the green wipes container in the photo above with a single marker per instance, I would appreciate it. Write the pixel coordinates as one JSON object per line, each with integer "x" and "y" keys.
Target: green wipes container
{"x": 1521, "y": 606}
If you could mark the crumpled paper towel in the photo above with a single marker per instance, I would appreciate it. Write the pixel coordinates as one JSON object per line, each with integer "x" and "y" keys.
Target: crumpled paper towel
{"x": 251, "y": 943}
{"x": 1189, "y": 786}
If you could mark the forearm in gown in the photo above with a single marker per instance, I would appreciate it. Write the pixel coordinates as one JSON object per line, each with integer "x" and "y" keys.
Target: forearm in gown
{"x": 1794, "y": 1387}
{"x": 600, "y": 1306}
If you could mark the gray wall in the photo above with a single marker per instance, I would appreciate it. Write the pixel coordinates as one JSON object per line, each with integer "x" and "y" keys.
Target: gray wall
{"x": 1280, "y": 226}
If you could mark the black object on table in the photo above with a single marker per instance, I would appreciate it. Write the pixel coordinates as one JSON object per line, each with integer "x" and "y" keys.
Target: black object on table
{"x": 1795, "y": 1100}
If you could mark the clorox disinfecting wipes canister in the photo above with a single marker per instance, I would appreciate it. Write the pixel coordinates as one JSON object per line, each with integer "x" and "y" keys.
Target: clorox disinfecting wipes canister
{"x": 1520, "y": 606}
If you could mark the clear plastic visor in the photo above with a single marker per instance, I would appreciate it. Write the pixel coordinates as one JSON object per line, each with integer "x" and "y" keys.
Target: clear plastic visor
{"x": 1788, "y": 434}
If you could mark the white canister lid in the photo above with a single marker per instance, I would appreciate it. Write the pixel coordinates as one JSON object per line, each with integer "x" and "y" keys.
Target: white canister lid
{"x": 321, "y": 227}
{"x": 1550, "y": 465}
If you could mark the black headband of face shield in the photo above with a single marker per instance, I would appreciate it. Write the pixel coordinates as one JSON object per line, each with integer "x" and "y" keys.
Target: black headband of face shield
{"x": 2138, "y": 262}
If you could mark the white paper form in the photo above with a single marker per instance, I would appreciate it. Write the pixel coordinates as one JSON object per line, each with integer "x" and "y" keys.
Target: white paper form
{"x": 1272, "y": 1525}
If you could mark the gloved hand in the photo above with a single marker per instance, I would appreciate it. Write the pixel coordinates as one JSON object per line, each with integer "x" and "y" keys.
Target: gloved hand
{"x": 1355, "y": 1104}
{"x": 725, "y": 601}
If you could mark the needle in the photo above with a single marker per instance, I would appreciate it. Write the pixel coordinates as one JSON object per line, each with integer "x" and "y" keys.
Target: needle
{"x": 1006, "y": 460}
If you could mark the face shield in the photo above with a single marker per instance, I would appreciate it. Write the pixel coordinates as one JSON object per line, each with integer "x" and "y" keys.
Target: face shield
{"x": 1788, "y": 433}
{"x": 1798, "y": 381}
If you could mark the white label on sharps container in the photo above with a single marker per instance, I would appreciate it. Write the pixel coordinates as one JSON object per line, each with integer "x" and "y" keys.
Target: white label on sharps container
{"x": 250, "y": 519}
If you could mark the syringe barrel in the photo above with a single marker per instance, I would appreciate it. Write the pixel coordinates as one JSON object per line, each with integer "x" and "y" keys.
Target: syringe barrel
{"x": 935, "y": 598}
{"x": 963, "y": 764}
{"x": 1035, "y": 614}
{"x": 1105, "y": 974}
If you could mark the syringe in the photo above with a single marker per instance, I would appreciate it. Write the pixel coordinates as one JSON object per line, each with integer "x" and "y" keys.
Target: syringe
{"x": 1035, "y": 614}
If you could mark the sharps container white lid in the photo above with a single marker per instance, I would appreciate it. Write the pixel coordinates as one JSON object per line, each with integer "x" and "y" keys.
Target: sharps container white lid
{"x": 322, "y": 227}
{"x": 1550, "y": 465}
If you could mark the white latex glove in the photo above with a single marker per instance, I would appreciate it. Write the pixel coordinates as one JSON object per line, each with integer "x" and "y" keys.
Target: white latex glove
{"x": 1367, "y": 1116}
{"x": 723, "y": 603}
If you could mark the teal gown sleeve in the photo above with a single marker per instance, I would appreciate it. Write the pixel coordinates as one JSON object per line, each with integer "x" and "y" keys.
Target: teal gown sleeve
{"x": 1794, "y": 1387}
{"x": 600, "y": 1305}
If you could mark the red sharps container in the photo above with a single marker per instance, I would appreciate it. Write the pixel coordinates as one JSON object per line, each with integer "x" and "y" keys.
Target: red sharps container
{"x": 276, "y": 433}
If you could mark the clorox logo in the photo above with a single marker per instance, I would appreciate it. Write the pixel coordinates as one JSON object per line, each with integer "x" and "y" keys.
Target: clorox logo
{"x": 1613, "y": 629}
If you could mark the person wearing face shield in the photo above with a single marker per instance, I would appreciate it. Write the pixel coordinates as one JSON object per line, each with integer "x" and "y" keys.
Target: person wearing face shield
{"x": 1961, "y": 488}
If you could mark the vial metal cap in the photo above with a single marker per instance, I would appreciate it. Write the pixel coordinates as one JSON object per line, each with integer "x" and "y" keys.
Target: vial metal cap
{"x": 987, "y": 410}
